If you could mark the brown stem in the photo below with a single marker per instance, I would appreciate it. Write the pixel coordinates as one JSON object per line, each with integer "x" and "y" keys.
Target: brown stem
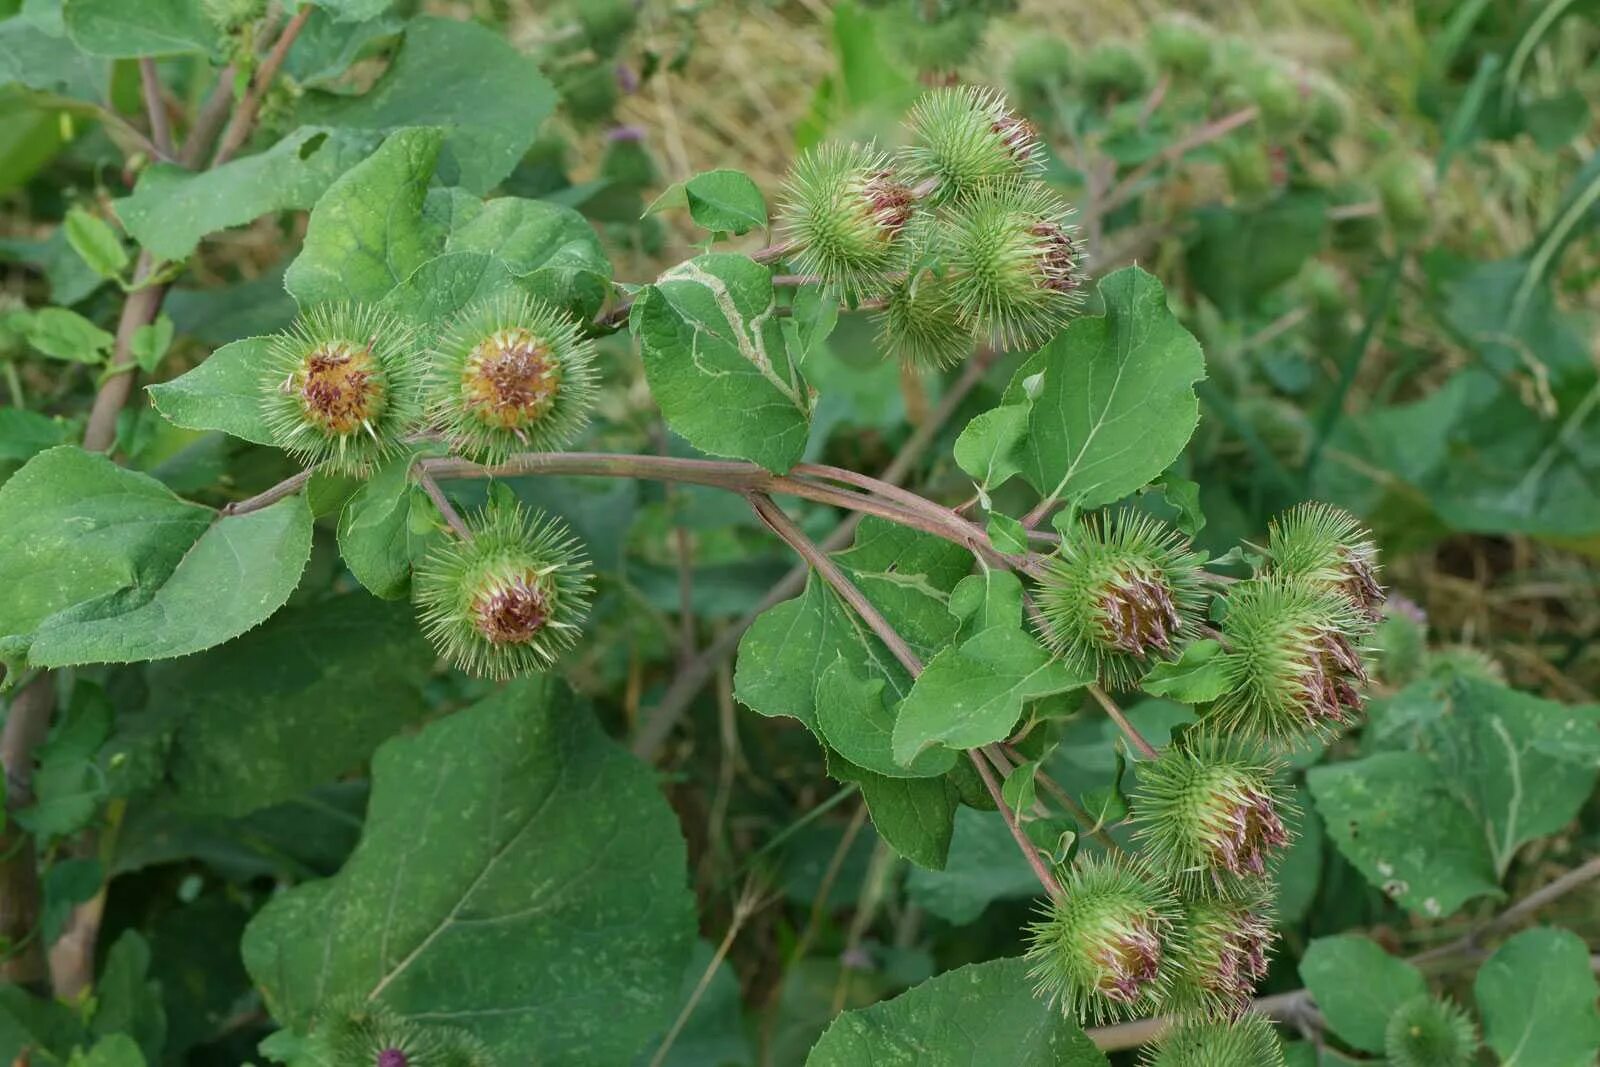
{"x": 213, "y": 113}
{"x": 446, "y": 509}
{"x": 1146, "y": 749}
{"x": 155, "y": 106}
{"x": 140, "y": 309}
{"x": 1070, "y": 803}
{"x": 244, "y": 116}
{"x": 288, "y": 487}
{"x": 27, "y": 724}
{"x": 823, "y": 564}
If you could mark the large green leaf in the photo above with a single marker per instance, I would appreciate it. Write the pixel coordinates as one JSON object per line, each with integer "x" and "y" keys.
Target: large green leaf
{"x": 376, "y": 537}
{"x": 462, "y": 77}
{"x": 916, "y": 816}
{"x": 518, "y": 875}
{"x": 981, "y": 1013}
{"x": 129, "y": 28}
{"x": 103, "y": 564}
{"x": 1395, "y": 817}
{"x": 303, "y": 699}
{"x": 171, "y": 209}
{"x": 1113, "y": 400}
{"x": 717, "y": 364}
{"x": 48, "y": 63}
{"x": 1357, "y": 986}
{"x": 367, "y": 233}
{"x": 1521, "y": 765}
{"x": 1537, "y": 997}
{"x": 223, "y": 393}
{"x": 972, "y": 694}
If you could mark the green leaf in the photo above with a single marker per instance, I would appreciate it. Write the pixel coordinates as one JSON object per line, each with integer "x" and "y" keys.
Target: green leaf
{"x": 354, "y": 10}
{"x": 114, "y": 1050}
{"x": 916, "y": 816}
{"x": 150, "y": 343}
{"x": 987, "y": 448}
{"x": 222, "y": 393}
{"x": 68, "y": 785}
{"x": 375, "y": 536}
{"x": 973, "y": 694}
{"x": 127, "y": 1001}
{"x": 462, "y": 77}
{"x": 47, "y": 63}
{"x": 63, "y": 334}
{"x": 367, "y": 232}
{"x": 171, "y": 208}
{"x": 955, "y": 1020}
{"x": 1537, "y": 997}
{"x": 1007, "y": 534}
{"x": 1116, "y": 403}
{"x": 292, "y": 705}
{"x": 852, "y": 718}
{"x": 984, "y": 865}
{"x": 126, "y": 29}
{"x": 96, "y": 243}
{"x": 35, "y": 1023}
{"x": 1183, "y": 496}
{"x": 106, "y": 565}
{"x": 1357, "y": 986}
{"x": 1198, "y": 675}
{"x": 551, "y": 250}
{"x": 716, "y": 362}
{"x": 1239, "y": 255}
{"x": 1522, "y": 766}
{"x": 24, "y": 434}
{"x": 725, "y": 201}
{"x": 518, "y": 875}
{"x": 1394, "y": 817}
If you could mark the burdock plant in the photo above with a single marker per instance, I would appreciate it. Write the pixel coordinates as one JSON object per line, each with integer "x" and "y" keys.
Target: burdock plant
{"x": 1226, "y": 947}
{"x": 1122, "y": 592}
{"x": 1327, "y": 547}
{"x": 1426, "y": 1032}
{"x": 341, "y": 386}
{"x": 965, "y": 138}
{"x": 1108, "y": 947}
{"x": 510, "y": 373}
{"x": 845, "y": 210}
{"x": 507, "y": 600}
{"x": 1249, "y": 1042}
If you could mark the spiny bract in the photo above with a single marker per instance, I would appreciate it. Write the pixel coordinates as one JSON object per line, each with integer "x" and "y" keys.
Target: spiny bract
{"x": 1425, "y": 1032}
{"x": 1249, "y": 1042}
{"x": 1293, "y": 662}
{"x": 1122, "y": 591}
{"x": 1226, "y": 944}
{"x": 369, "y": 1035}
{"x": 1327, "y": 547}
{"x": 1013, "y": 262}
{"x": 964, "y": 138}
{"x": 510, "y": 599}
{"x": 1208, "y": 814}
{"x": 920, "y": 325}
{"x": 845, "y": 210}
{"x": 510, "y": 373}
{"x": 341, "y": 386}
{"x": 1109, "y": 947}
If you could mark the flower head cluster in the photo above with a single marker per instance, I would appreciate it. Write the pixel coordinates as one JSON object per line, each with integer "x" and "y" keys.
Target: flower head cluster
{"x": 1209, "y": 815}
{"x": 956, "y": 238}
{"x": 1122, "y": 592}
{"x": 1109, "y": 947}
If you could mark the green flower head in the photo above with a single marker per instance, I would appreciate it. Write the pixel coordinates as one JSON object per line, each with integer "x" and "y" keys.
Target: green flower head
{"x": 369, "y": 1035}
{"x": 845, "y": 210}
{"x": 508, "y": 600}
{"x": 1425, "y": 1032}
{"x": 1122, "y": 591}
{"x": 1248, "y": 1042}
{"x": 1327, "y": 547}
{"x": 920, "y": 325}
{"x": 1226, "y": 946}
{"x": 509, "y": 374}
{"x": 341, "y": 386}
{"x": 964, "y": 138}
{"x": 1109, "y": 947}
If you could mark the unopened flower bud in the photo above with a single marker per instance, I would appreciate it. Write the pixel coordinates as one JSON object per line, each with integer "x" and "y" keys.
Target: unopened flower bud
{"x": 845, "y": 209}
{"x": 509, "y": 599}
{"x": 367, "y": 1035}
{"x": 920, "y": 324}
{"x": 1122, "y": 592}
{"x": 1424, "y": 1032}
{"x": 1226, "y": 947}
{"x": 1106, "y": 949}
{"x": 965, "y": 138}
{"x": 1328, "y": 547}
{"x": 1246, "y": 1042}
{"x": 341, "y": 385}
{"x": 1208, "y": 815}
{"x": 510, "y": 373}
{"x": 1293, "y": 666}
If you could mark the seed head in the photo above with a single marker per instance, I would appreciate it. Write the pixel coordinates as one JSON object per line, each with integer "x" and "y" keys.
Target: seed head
{"x": 1226, "y": 945}
{"x": 508, "y": 600}
{"x": 1424, "y": 1032}
{"x": 845, "y": 209}
{"x": 1013, "y": 262}
{"x": 1209, "y": 815}
{"x": 1328, "y": 547}
{"x": 1121, "y": 592}
{"x": 341, "y": 386}
{"x": 1246, "y": 1042}
{"x": 1293, "y": 664}
{"x": 964, "y": 138}
{"x": 1107, "y": 948}
{"x": 511, "y": 373}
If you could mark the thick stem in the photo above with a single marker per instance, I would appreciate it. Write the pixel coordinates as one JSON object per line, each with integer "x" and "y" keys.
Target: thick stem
{"x": 212, "y": 114}
{"x": 288, "y": 487}
{"x": 155, "y": 107}
{"x": 27, "y": 724}
{"x": 140, "y": 309}
{"x": 1031, "y": 854}
{"x": 446, "y": 509}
